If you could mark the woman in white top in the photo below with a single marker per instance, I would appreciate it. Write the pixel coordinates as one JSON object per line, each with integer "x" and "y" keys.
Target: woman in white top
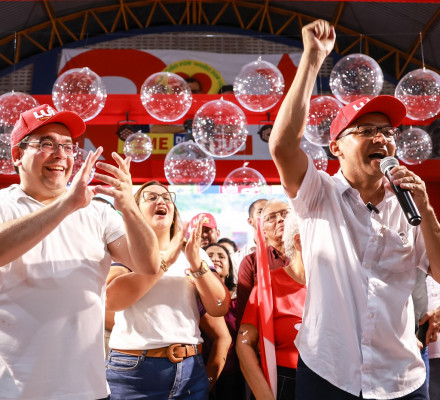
{"x": 156, "y": 343}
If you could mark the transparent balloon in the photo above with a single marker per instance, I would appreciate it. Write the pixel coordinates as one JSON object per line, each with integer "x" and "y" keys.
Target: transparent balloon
{"x": 12, "y": 104}
{"x": 259, "y": 86}
{"x": 80, "y": 158}
{"x": 166, "y": 96}
{"x": 419, "y": 90}
{"x": 138, "y": 146}
{"x": 187, "y": 164}
{"x": 219, "y": 128}
{"x": 413, "y": 146}
{"x": 317, "y": 154}
{"x": 323, "y": 110}
{"x": 6, "y": 164}
{"x": 244, "y": 180}
{"x": 80, "y": 90}
{"x": 356, "y": 76}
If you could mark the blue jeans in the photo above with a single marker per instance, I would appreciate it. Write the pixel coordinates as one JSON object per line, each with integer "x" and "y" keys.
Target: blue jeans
{"x": 136, "y": 378}
{"x": 425, "y": 357}
{"x": 310, "y": 386}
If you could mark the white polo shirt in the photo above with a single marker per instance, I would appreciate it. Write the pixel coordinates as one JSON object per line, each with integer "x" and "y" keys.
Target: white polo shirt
{"x": 51, "y": 305}
{"x": 358, "y": 327}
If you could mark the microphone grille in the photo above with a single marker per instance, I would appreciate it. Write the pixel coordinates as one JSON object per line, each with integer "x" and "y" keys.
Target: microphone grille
{"x": 388, "y": 163}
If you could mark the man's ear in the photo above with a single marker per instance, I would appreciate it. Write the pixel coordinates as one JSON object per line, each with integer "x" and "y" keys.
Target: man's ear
{"x": 297, "y": 242}
{"x": 250, "y": 221}
{"x": 17, "y": 154}
{"x": 335, "y": 148}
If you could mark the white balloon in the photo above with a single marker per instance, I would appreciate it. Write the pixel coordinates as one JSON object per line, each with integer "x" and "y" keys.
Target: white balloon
{"x": 317, "y": 153}
{"x": 356, "y": 76}
{"x": 419, "y": 90}
{"x": 413, "y": 146}
{"x": 244, "y": 180}
{"x": 166, "y": 96}
{"x": 138, "y": 146}
{"x": 12, "y": 104}
{"x": 219, "y": 128}
{"x": 79, "y": 90}
{"x": 187, "y": 164}
{"x": 323, "y": 110}
{"x": 259, "y": 86}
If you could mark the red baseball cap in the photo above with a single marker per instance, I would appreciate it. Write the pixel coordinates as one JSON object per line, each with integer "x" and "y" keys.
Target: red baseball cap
{"x": 209, "y": 221}
{"x": 37, "y": 117}
{"x": 392, "y": 107}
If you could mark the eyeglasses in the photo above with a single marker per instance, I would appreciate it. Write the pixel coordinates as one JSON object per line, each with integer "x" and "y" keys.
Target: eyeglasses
{"x": 168, "y": 197}
{"x": 370, "y": 131}
{"x": 272, "y": 217}
{"x": 50, "y": 147}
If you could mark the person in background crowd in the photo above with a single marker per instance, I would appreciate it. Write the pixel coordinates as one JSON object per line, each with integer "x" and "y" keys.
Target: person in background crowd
{"x": 226, "y": 89}
{"x": 210, "y": 232}
{"x": 254, "y": 212}
{"x": 273, "y": 215}
{"x": 230, "y": 384}
{"x": 289, "y": 292}
{"x": 194, "y": 84}
{"x": 56, "y": 247}
{"x": 156, "y": 346}
{"x": 360, "y": 253}
{"x": 229, "y": 244}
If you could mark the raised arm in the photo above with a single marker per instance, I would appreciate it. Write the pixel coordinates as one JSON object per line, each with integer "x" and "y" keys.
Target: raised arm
{"x": 213, "y": 293}
{"x": 285, "y": 138}
{"x": 138, "y": 249}
{"x": 20, "y": 235}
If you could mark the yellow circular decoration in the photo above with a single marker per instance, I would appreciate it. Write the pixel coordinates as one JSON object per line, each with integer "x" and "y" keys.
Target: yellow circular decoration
{"x": 201, "y": 71}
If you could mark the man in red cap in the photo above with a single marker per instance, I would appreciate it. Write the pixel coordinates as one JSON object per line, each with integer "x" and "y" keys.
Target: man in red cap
{"x": 210, "y": 232}
{"x": 360, "y": 253}
{"x": 56, "y": 247}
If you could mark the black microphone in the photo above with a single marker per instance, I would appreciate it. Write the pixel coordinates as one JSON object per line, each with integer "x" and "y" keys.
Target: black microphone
{"x": 372, "y": 208}
{"x": 404, "y": 196}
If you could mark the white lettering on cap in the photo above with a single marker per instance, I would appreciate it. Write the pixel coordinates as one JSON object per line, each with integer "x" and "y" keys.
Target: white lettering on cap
{"x": 42, "y": 115}
{"x": 361, "y": 104}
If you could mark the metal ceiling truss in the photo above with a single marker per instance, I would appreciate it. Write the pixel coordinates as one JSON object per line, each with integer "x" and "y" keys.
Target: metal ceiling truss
{"x": 258, "y": 16}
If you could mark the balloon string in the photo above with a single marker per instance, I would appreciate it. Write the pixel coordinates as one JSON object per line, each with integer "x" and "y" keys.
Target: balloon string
{"x": 15, "y": 57}
{"x": 421, "y": 49}
{"x": 360, "y": 43}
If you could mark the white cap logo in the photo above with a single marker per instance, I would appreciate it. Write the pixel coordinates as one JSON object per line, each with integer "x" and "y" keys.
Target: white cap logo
{"x": 42, "y": 115}
{"x": 361, "y": 104}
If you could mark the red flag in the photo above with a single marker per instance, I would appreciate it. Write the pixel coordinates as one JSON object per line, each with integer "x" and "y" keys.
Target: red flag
{"x": 265, "y": 315}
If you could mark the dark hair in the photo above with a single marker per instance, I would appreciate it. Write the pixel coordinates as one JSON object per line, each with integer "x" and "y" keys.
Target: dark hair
{"x": 252, "y": 206}
{"x": 226, "y": 88}
{"x": 229, "y": 279}
{"x": 176, "y": 218}
{"x": 229, "y": 241}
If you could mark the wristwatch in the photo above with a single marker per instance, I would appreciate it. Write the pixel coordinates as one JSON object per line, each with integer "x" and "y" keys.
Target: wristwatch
{"x": 204, "y": 268}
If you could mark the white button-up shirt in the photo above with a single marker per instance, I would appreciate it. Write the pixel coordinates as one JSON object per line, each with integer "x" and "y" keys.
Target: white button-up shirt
{"x": 358, "y": 327}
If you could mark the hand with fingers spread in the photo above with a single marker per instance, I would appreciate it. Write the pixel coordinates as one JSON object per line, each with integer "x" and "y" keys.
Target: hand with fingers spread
{"x": 122, "y": 188}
